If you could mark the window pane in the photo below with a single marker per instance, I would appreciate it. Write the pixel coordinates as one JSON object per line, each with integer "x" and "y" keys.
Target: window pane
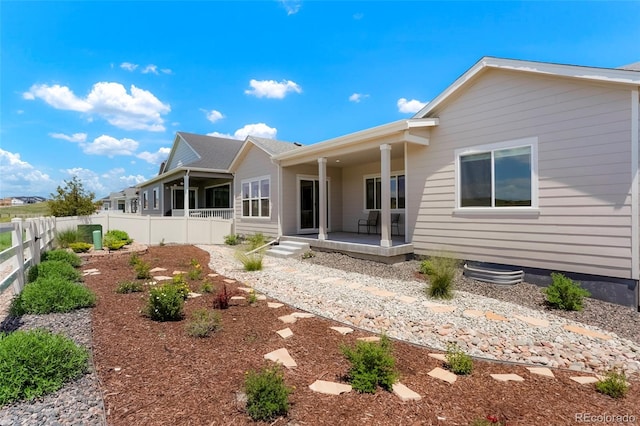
{"x": 513, "y": 177}
{"x": 401, "y": 192}
{"x": 178, "y": 199}
{"x": 264, "y": 188}
{"x": 221, "y": 197}
{"x": 245, "y": 208}
{"x": 192, "y": 199}
{"x": 264, "y": 204}
{"x": 378, "y": 192}
{"x": 245, "y": 190}
{"x": 209, "y": 198}
{"x": 254, "y": 208}
{"x": 394, "y": 193}
{"x": 475, "y": 180}
{"x": 255, "y": 189}
{"x": 370, "y": 194}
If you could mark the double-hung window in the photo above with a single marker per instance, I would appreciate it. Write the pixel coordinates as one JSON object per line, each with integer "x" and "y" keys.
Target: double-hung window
{"x": 156, "y": 199}
{"x": 501, "y": 175}
{"x": 373, "y": 192}
{"x": 255, "y": 197}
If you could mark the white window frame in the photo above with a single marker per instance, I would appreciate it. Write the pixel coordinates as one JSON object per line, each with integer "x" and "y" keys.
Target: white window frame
{"x": 259, "y": 198}
{"x": 394, "y": 174}
{"x": 531, "y": 142}
{"x": 186, "y": 200}
{"x": 156, "y": 198}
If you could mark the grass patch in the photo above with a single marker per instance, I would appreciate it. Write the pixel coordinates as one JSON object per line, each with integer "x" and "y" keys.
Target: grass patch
{"x": 372, "y": 364}
{"x": 250, "y": 262}
{"x": 441, "y": 270}
{"x": 203, "y": 322}
{"x": 37, "y": 362}
{"x": 52, "y": 294}
{"x": 129, "y": 287}
{"x": 267, "y": 394}
{"x": 66, "y": 237}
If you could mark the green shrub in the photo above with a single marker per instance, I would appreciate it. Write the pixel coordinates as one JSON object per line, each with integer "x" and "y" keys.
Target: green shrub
{"x": 129, "y": 287}
{"x": 372, "y": 364}
{"x": 251, "y": 262}
{"x": 203, "y": 322}
{"x": 55, "y": 268}
{"x": 80, "y": 247}
{"x": 458, "y": 361}
{"x": 63, "y": 255}
{"x": 256, "y": 240}
{"x": 232, "y": 240}
{"x": 66, "y": 237}
{"x": 119, "y": 235}
{"x": 267, "y": 394}
{"x": 252, "y": 297}
{"x": 308, "y": 254}
{"x": 564, "y": 293}
{"x": 165, "y": 303}
{"x": 441, "y": 271}
{"x": 207, "y": 287}
{"x": 50, "y": 294}
{"x": 37, "y": 362}
{"x": 613, "y": 384}
{"x": 181, "y": 285}
{"x": 195, "y": 271}
{"x": 134, "y": 259}
{"x": 142, "y": 269}
{"x": 112, "y": 243}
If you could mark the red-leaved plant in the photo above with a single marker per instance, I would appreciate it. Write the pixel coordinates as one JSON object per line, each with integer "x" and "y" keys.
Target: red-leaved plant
{"x": 221, "y": 301}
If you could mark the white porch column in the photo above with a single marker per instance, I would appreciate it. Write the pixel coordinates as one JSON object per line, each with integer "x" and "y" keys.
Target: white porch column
{"x": 385, "y": 194}
{"x": 322, "y": 196}
{"x": 185, "y": 194}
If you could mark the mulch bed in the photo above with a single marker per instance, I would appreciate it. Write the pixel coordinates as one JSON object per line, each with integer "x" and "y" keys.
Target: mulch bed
{"x": 153, "y": 373}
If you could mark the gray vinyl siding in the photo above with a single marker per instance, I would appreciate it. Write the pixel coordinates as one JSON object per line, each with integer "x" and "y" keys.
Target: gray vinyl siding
{"x": 182, "y": 155}
{"x": 256, "y": 164}
{"x": 584, "y": 168}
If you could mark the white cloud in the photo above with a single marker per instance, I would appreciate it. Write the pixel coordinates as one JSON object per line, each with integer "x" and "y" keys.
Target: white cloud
{"x": 140, "y": 110}
{"x": 155, "y": 157}
{"x": 76, "y": 137}
{"x": 105, "y": 183}
{"x": 166, "y": 71}
{"x": 357, "y": 97}
{"x": 222, "y": 135}
{"x": 128, "y": 66}
{"x": 272, "y": 88}
{"x": 260, "y": 130}
{"x": 214, "y": 115}
{"x": 110, "y": 146}
{"x": 411, "y": 106}
{"x": 21, "y": 178}
{"x": 150, "y": 69}
{"x": 291, "y": 6}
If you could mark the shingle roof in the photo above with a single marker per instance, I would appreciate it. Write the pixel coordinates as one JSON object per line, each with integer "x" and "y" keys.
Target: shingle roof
{"x": 272, "y": 146}
{"x": 215, "y": 153}
{"x": 631, "y": 67}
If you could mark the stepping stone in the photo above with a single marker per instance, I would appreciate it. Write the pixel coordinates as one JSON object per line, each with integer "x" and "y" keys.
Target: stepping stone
{"x": 238, "y": 298}
{"x": 281, "y": 356}
{"x": 495, "y": 317}
{"x": 429, "y": 304}
{"x": 213, "y": 275}
{"x": 442, "y": 309}
{"x": 193, "y": 295}
{"x": 473, "y": 313}
{"x": 329, "y": 388}
{"x": 179, "y": 272}
{"x": 442, "y": 374}
{"x": 584, "y": 380}
{"x": 229, "y": 281}
{"x": 162, "y": 278}
{"x": 291, "y": 271}
{"x": 383, "y": 293}
{"x": 369, "y": 289}
{"x": 533, "y": 321}
{"x": 88, "y": 271}
{"x": 441, "y": 357}
{"x": 261, "y": 297}
{"x": 541, "y": 371}
{"x": 328, "y": 280}
{"x": 354, "y": 286}
{"x": 586, "y": 332}
{"x": 507, "y": 377}
{"x": 369, "y": 339}
{"x": 343, "y": 330}
{"x": 285, "y": 333}
{"x": 288, "y": 319}
{"x": 245, "y": 289}
{"x": 302, "y": 315}
{"x": 93, "y": 273}
{"x": 404, "y": 393}
{"x": 275, "y": 305}
{"x": 406, "y": 299}
{"x": 340, "y": 281}
{"x": 158, "y": 270}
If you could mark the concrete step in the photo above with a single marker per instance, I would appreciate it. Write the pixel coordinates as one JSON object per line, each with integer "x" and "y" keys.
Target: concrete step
{"x": 288, "y": 249}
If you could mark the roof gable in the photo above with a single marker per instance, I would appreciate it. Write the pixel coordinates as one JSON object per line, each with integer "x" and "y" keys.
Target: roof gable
{"x": 271, "y": 147}
{"x": 200, "y": 151}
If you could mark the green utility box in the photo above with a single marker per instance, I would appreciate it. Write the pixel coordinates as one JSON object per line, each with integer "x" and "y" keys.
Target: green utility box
{"x": 85, "y": 232}
{"x": 97, "y": 240}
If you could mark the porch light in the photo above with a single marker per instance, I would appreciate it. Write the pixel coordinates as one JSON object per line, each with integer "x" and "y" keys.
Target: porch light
{"x": 337, "y": 161}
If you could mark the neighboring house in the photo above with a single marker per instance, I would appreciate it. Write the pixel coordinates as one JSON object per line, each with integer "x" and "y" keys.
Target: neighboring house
{"x": 125, "y": 201}
{"x": 19, "y": 201}
{"x": 199, "y": 163}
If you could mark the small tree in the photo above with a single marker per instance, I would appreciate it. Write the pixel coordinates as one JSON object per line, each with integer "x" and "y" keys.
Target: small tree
{"x": 72, "y": 200}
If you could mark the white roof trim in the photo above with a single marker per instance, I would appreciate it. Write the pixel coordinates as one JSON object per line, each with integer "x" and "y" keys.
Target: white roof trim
{"x": 360, "y": 136}
{"x": 608, "y": 75}
{"x": 180, "y": 170}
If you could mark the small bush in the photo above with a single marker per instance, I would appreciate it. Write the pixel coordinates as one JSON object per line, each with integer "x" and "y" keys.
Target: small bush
{"x": 134, "y": 259}
{"x": 129, "y": 287}
{"x": 53, "y": 268}
{"x": 37, "y": 362}
{"x": 80, "y": 247}
{"x": 458, "y": 361}
{"x": 195, "y": 271}
{"x": 50, "y": 294}
{"x": 207, "y": 287}
{"x": 564, "y": 293}
{"x": 165, "y": 303}
{"x": 221, "y": 301}
{"x": 232, "y": 240}
{"x": 441, "y": 271}
{"x": 256, "y": 240}
{"x": 613, "y": 384}
{"x": 181, "y": 285}
{"x": 66, "y": 237}
{"x": 372, "y": 364}
{"x": 142, "y": 269}
{"x": 267, "y": 394}
{"x": 203, "y": 323}
{"x": 63, "y": 255}
{"x": 112, "y": 243}
{"x": 119, "y": 235}
{"x": 308, "y": 254}
{"x": 253, "y": 297}
{"x": 251, "y": 262}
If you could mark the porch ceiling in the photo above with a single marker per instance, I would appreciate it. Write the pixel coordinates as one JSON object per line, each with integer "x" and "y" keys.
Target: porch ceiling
{"x": 349, "y": 158}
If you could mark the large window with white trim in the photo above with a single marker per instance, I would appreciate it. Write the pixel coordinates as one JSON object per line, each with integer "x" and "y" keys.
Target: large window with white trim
{"x": 218, "y": 197}
{"x": 497, "y": 176}
{"x": 255, "y": 197}
{"x": 373, "y": 192}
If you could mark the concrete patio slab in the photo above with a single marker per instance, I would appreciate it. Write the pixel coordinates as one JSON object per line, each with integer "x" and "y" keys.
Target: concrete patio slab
{"x": 281, "y": 356}
{"x": 404, "y": 393}
{"x": 541, "y": 371}
{"x": 584, "y": 380}
{"x": 440, "y": 357}
{"x": 343, "y": 330}
{"x": 507, "y": 377}
{"x": 275, "y": 305}
{"x": 285, "y": 333}
{"x": 442, "y": 374}
{"x": 329, "y": 388}
{"x": 586, "y": 332}
{"x": 537, "y": 322}
{"x": 288, "y": 319}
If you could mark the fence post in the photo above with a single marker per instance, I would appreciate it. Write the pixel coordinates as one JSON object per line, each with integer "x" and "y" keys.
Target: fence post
{"x": 16, "y": 241}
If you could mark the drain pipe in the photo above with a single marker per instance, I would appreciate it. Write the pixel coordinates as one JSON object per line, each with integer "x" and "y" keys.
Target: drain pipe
{"x": 635, "y": 193}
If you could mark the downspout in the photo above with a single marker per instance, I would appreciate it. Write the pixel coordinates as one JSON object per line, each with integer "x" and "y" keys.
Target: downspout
{"x": 280, "y": 205}
{"x": 635, "y": 210}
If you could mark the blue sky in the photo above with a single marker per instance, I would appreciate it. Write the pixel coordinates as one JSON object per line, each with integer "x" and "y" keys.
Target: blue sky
{"x": 99, "y": 89}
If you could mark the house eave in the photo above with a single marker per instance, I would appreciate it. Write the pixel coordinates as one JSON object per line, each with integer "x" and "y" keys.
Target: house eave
{"x": 179, "y": 171}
